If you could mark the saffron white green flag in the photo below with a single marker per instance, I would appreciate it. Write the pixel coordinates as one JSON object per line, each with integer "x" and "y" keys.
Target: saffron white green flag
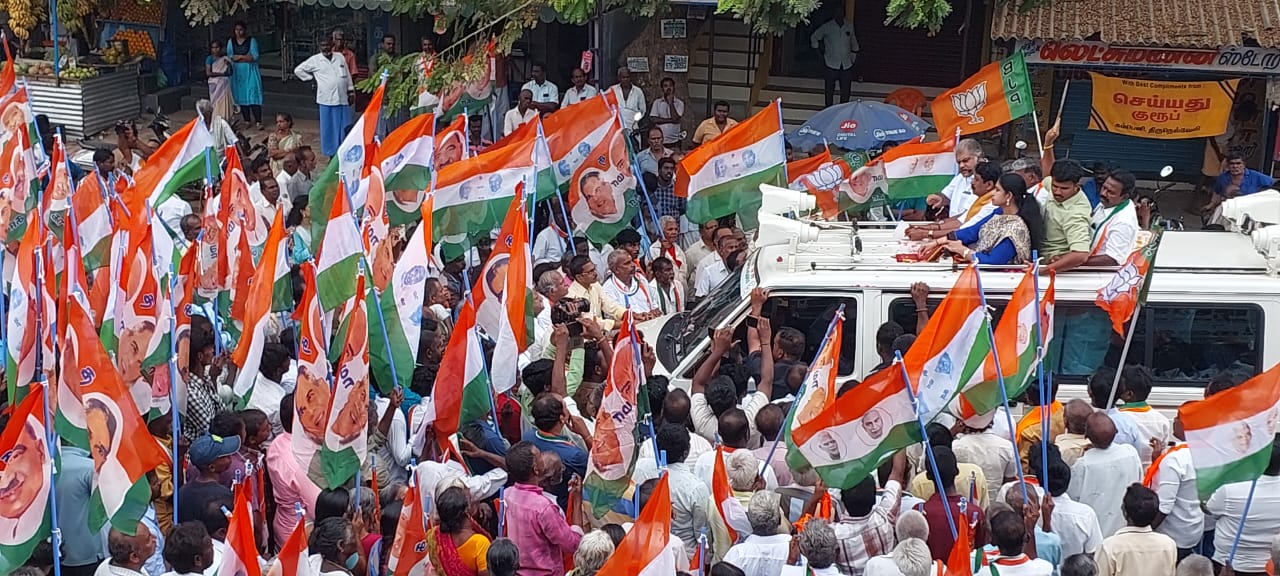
{"x": 1230, "y": 433}
{"x": 182, "y": 159}
{"x": 472, "y": 195}
{"x": 346, "y": 435}
{"x": 918, "y": 169}
{"x": 951, "y": 348}
{"x": 270, "y": 279}
{"x": 401, "y": 308}
{"x": 461, "y": 392}
{"x": 311, "y": 398}
{"x": 27, "y": 477}
{"x": 338, "y": 254}
{"x": 723, "y": 176}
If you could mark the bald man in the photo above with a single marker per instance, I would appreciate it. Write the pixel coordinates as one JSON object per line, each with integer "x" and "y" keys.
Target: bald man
{"x": 1073, "y": 442}
{"x": 128, "y": 553}
{"x": 1101, "y": 475}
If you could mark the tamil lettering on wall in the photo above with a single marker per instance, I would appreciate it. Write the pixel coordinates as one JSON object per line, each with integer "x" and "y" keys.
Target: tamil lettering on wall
{"x": 1230, "y": 59}
{"x": 1162, "y": 110}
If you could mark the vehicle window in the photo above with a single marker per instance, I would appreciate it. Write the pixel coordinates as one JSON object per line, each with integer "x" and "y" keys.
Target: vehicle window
{"x": 811, "y": 315}
{"x": 710, "y": 312}
{"x": 1182, "y": 344}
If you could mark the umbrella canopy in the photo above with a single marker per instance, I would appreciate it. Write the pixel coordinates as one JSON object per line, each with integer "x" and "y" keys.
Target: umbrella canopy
{"x": 858, "y": 125}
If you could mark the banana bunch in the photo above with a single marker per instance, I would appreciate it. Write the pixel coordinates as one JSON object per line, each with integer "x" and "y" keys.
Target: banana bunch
{"x": 199, "y": 12}
{"x": 23, "y": 16}
{"x": 71, "y": 13}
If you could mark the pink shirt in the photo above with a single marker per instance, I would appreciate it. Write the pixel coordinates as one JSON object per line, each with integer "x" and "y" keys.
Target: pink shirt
{"x": 290, "y": 485}
{"x": 538, "y": 528}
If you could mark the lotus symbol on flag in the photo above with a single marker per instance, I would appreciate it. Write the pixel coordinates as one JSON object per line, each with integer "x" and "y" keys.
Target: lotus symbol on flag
{"x": 1125, "y": 281}
{"x": 971, "y": 102}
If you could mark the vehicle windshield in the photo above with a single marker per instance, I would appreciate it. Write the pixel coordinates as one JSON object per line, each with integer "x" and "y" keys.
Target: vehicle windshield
{"x": 711, "y": 311}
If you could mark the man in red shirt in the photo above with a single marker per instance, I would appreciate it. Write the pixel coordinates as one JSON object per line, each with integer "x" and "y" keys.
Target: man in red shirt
{"x": 941, "y": 537}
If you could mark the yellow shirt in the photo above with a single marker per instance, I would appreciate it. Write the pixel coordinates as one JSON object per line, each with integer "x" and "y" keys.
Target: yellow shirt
{"x": 970, "y": 478}
{"x": 708, "y": 130}
{"x": 475, "y": 552}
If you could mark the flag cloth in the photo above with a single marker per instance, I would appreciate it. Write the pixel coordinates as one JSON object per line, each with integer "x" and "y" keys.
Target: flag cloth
{"x": 503, "y": 301}
{"x": 20, "y": 339}
{"x": 323, "y": 191}
{"x": 180, "y": 160}
{"x": 9, "y": 75}
{"x": 616, "y": 444}
{"x": 123, "y": 450}
{"x": 723, "y": 176}
{"x": 951, "y": 348}
{"x": 918, "y": 169}
{"x": 644, "y": 550}
{"x": 829, "y": 180}
{"x": 409, "y": 548}
{"x": 722, "y": 493}
{"x": 294, "y": 557}
{"x": 311, "y": 397}
{"x": 137, "y": 331}
{"x": 462, "y": 391}
{"x": 602, "y": 188}
{"x": 1016, "y": 345}
{"x": 452, "y": 143}
{"x": 22, "y": 163}
{"x": 92, "y": 204}
{"x": 271, "y": 276}
{"x": 338, "y": 255}
{"x": 1127, "y": 290}
{"x": 401, "y": 309}
{"x": 358, "y": 152}
{"x": 374, "y": 230}
{"x": 819, "y": 388}
{"x": 1230, "y": 433}
{"x": 407, "y": 158}
{"x": 346, "y": 436}
{"x": 241, "y": 556}
{"x": 958, "y": 561}
{"x": 574, "y": 137}
{"x": 27, "y": 476}
{"x": 472, "y": 196}
{"x": 69, "y": 419}
{"x": 999, "y": 93}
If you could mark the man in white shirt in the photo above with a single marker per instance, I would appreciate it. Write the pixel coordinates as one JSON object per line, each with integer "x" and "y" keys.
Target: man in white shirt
{"x": 1174, "y": 480}
{"x": 523, "y": 113}
{"x": 1074, "y": 522}
{"x": 586, "y": 285}
{"x": 267, "y": 391}
{"x": 1228, "y": 505}
{"x": 765, "y": 550}
{"x": 292, "y": 182}
{"x": 839, "y": 52}
{"x": 667, "y": 113}
{"x": 1115, "y": 221}
{"x": 1101, "y": 475}
{"x": 704, "y": 246}
{"x": 1135, "y": 388}
{"x": 552, "y": 243}
{"x": 1136, "y": 550}
{"x": 334, "y": 89}
{"x": 958, "y": 195}
{"x": 222, "y": 133}
{"x": 128, "y": 553}
{"x": 735, "y": 431}
{"x": 189, "y": 549}
{"x": 579, "y": 91}
{"x": 712, "y": 270}
{"x": 675, "y": 410}
{"x": 628, "y": 287}
{"x": 630, "y": 99}
{"x": 669, "y": 295}
{"x": 993, "y": 453}
{"x": 546, "y": 95}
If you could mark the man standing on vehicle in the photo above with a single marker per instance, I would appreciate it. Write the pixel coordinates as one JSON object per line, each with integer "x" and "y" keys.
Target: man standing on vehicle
{"x": 712, "y": 270}
{"x": 1115, "y": 221}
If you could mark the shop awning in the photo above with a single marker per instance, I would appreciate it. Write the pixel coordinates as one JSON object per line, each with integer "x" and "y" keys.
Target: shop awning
{"x": 1183, "y": 23}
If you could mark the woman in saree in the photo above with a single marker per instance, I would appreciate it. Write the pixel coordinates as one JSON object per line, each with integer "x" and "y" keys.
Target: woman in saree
{"x": 456, "y": 546}
{"x": 282, "y": 142}
{"x": 1008, "y": 235}
{"x": 218, "y": 68}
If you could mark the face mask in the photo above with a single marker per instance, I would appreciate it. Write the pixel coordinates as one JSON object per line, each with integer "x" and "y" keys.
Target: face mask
{"x": 352, "y": 560}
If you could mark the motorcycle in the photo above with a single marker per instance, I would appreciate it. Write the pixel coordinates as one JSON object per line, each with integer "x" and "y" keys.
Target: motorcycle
{"x": 159, "y": 126}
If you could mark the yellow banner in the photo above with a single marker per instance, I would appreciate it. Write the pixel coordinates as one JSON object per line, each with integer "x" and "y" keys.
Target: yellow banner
{"x": 1162, "y": 110}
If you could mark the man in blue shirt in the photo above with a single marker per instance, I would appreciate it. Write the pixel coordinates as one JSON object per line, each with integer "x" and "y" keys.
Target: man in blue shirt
{"x": 81, "y": 547}
{"x": 1246, "y": 179}
{"x": 552, "y": 423}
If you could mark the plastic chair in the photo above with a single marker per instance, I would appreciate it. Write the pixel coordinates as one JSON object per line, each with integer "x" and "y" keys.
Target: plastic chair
{"x": 908, "y": 99}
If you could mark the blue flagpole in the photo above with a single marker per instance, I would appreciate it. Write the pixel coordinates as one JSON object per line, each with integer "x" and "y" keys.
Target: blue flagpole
{"x": 928, "y": 450}
{"x": 214, "y": 317}
{"x": 838, "y": 317}
{"x": 484, "y": 362}
{"x": 1004, "y": 394}
{"x": 1235, "y": 542}
{"x": 51, "y": 437}
{"x": 1040, "y": 373}
{"x": 173, "y": 382}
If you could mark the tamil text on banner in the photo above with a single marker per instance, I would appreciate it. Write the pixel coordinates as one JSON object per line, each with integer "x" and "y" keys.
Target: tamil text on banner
{"x": 1163, "y": 110}
{"x": 999, "y": 93}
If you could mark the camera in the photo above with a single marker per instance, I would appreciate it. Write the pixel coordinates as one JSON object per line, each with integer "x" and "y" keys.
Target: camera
{"x": 567, "y": 311}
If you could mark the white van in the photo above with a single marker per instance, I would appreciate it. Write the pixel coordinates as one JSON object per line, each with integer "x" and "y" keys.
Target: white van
{"x": 1209, "y": 309}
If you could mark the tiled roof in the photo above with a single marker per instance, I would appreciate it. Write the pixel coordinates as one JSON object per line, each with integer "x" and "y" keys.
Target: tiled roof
{"x": 1183, "y": 23}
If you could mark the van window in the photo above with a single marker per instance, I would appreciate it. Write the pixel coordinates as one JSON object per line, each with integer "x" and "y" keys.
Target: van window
{"x": 1182, "y": 344}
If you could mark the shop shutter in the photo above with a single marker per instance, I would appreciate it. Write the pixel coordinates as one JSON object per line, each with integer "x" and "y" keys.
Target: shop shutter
{"x": 895, "y": 55}
{"x": 1142, "y": 156}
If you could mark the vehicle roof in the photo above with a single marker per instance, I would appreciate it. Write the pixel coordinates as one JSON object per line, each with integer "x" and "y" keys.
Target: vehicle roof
{"x": 1188, "y": 262}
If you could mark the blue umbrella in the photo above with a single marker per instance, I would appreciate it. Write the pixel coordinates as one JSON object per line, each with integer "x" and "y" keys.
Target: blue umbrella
{"x": 858, "y": 125}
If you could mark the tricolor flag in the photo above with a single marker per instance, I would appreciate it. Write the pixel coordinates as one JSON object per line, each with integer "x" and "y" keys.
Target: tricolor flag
{"x": 453, "y": 143}
{"x": 503, "y": 301}
{"x": 73, "y": 329}
{"x": 461, "y": 391}
{"x": 1230, "y": 433}
{"x": 917, "y": 169}
{"x": 723, "y": 177}
{"x": 241, "y": 556}
{"x": 338, "y": 254}
{"x": 401, "y": 306}
{"x": 294, "y": 558}
{"x": 374, "y": 230}
{"x": 138, "y": 330}
{"x": 602, "y": 188}
{"x": 998, "y": 94}
{"x": 57, "y": 193}
{"x": 1016, "y": 345}
{"x": 179, "y": 161}
{"x": 93, "y": 205}
{"x": 1127, "y": 290}
{"x": 122, "y": 449}
{"x": 311, "y": 398}
{"x": 22, "y": 318}
{"x": 951, "y": 348}
{"x": 644, "y": 550}
{"x": 615, "y": 447}
{"x": 27, "y": 475}
{"x": 270, "y": 285}
{"x": 722, "y": 494}
{"x": 358, "y": 152}
{"x": 577, "y": 135}
{"x": 407, "y": 158}
{"x": 22, "y": 162}
{"x": 472, "y": 196}
{"x": 346, "y": 435}
{"x": 819, "y": 388}
{"x": 409, "y": 548}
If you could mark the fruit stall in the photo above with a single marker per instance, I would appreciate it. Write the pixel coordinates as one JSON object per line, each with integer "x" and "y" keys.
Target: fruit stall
{"x": 82, "y": 99}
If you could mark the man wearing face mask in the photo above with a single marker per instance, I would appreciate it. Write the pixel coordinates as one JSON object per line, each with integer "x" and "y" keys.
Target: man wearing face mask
{"x": 188, "y": 550}
{"x": 211, "y": 455}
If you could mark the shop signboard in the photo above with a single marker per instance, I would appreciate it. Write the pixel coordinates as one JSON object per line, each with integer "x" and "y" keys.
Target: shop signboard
{"x": 1233, "y": 60}
{"x": 1161, "y": 110}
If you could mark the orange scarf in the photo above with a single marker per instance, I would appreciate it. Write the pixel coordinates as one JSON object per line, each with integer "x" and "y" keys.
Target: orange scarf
{"x": 1032, "y": 418}
{"x": 976, "y": 207}
{"x": 1149, "y": 478}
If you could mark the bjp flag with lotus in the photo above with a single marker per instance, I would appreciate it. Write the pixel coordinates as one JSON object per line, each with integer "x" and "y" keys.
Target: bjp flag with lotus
{"x": 998, "y": 94}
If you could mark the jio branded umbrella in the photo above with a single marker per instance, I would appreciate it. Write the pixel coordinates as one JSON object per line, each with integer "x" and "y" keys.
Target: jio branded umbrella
{"x": 858, "y": 125}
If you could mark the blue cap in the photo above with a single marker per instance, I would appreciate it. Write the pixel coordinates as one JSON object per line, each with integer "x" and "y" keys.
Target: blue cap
{"x": 208, "y": 448}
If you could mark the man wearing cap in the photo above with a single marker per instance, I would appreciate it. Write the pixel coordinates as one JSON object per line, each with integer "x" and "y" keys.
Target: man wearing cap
{"x": 211, "y": 455}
